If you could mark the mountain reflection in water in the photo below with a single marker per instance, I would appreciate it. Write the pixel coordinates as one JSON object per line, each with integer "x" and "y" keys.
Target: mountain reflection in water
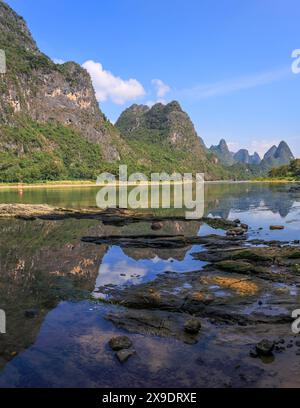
{"x": 43, "y": 263}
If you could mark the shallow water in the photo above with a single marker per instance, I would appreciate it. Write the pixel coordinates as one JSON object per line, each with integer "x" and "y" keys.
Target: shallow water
{"x": 45, "y": 266}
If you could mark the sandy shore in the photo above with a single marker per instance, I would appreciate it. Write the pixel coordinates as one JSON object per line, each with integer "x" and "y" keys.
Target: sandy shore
{"x": 88, "y": 184}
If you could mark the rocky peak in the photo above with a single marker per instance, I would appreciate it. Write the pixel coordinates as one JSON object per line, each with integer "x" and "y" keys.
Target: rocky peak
{"x": 223, "y": 146}
{"x": 243, "y": 156}
{"x": 168, "y": 131}
{"x": 270, "y": 153}
{"x": 222, "y": 152}
{"x": 278, "y": 156}
{"x": 160, "y": 123}
{"x": 14, "y": 31}
{"x": 37, "y": 88}
{"x": 256, "y": 158}
{"x": 284, "y": 152}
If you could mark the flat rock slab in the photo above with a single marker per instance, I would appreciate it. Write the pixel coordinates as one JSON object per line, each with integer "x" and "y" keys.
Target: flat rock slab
{"x": 221, "y": 295}
{"x": 162, "y": 241}
{"x": 110, "y": 216}
{"x": 154, "y": 323}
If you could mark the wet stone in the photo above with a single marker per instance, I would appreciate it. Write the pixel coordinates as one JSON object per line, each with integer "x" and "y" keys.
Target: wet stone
{"x": 120, "y": 343}
{"x": 156, "y": 226}
{"x": 265, "y": 347}
{"x": 124, "y": 355}
{"x": 192, "y": 326}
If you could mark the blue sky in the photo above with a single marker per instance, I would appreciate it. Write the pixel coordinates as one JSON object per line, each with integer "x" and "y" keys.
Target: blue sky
{"x": 228, "y": 62}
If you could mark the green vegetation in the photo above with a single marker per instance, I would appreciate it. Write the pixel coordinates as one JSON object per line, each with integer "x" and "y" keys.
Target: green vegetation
{"x": 32, "y": 151}
{"x": 287, "y": 172}
{"x": 163, "y": 138}
{"x": 21, "y": 52}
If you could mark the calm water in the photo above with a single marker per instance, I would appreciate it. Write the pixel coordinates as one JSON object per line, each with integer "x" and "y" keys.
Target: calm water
{"x": 45, "y": 266}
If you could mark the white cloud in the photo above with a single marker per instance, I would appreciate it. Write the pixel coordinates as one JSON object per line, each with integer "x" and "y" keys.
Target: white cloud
{"x": 108, "y": 86}
{"x": 58, "y": 61}
{"x": 160, "y": 87}
{"x": 236, "y": 84}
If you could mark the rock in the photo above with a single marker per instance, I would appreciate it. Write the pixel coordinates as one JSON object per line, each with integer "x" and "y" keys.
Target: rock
{"x": 157, "y": 323}
{"x": 294, "y": 189}
{"x": 31, "y": 313}
{"x": 237, "y": 221}
{"x": 236, "y": 231}
{"x": 192, "y": 326}
{"x": 276, "y": 227}
{"x": 120, "y": 343}
{"x": 245, "y": 227}
{"x": 156, "y": 226}
{"x": 124, "y": 355}
{"x": 235, "y": 266}
{"x": 219, "y": 223}
{"x": 265, "y": 347}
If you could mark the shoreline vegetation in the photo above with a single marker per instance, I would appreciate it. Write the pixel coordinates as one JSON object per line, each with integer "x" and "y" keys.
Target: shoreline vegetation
{"x": 91, "y": 183}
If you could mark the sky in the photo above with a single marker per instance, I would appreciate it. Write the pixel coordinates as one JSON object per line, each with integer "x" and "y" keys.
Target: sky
{"x": 227, "y": 62}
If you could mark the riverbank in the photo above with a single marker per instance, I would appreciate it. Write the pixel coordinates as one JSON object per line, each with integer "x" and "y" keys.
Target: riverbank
{"x": 92, "y": 183}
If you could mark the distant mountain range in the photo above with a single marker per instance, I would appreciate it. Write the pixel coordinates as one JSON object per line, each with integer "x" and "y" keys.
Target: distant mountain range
{"x": 276, "y": 156}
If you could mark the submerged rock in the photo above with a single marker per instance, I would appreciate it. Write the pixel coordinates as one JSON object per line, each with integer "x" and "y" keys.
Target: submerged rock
{"x": 294, "y": 189}
{"x": 245, "y": 226}
{"x": 276, "y": 227}
{"x": 236, "y": 231}
{"x": 152, "y": 322}
{"x": 192, "y": 326}
{"x": 120, "y": 343}
{"x": 265, "y": 347}
{"x": 124, "y": 355}
{"x": 156, "y": 226}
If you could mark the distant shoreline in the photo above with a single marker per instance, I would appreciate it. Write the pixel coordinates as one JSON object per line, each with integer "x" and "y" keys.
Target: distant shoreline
{"x": 87, "y": 183}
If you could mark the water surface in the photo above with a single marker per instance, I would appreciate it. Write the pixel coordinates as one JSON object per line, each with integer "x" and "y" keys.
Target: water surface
{"x": 45, "y": 266}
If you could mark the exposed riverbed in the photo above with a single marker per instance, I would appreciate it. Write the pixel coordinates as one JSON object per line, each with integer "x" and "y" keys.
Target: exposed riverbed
{"x": 69, "y": 285}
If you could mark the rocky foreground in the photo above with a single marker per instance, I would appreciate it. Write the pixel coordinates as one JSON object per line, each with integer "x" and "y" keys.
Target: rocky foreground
{"x": 246, "y": 292}
{"x": 237, "y": 308}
